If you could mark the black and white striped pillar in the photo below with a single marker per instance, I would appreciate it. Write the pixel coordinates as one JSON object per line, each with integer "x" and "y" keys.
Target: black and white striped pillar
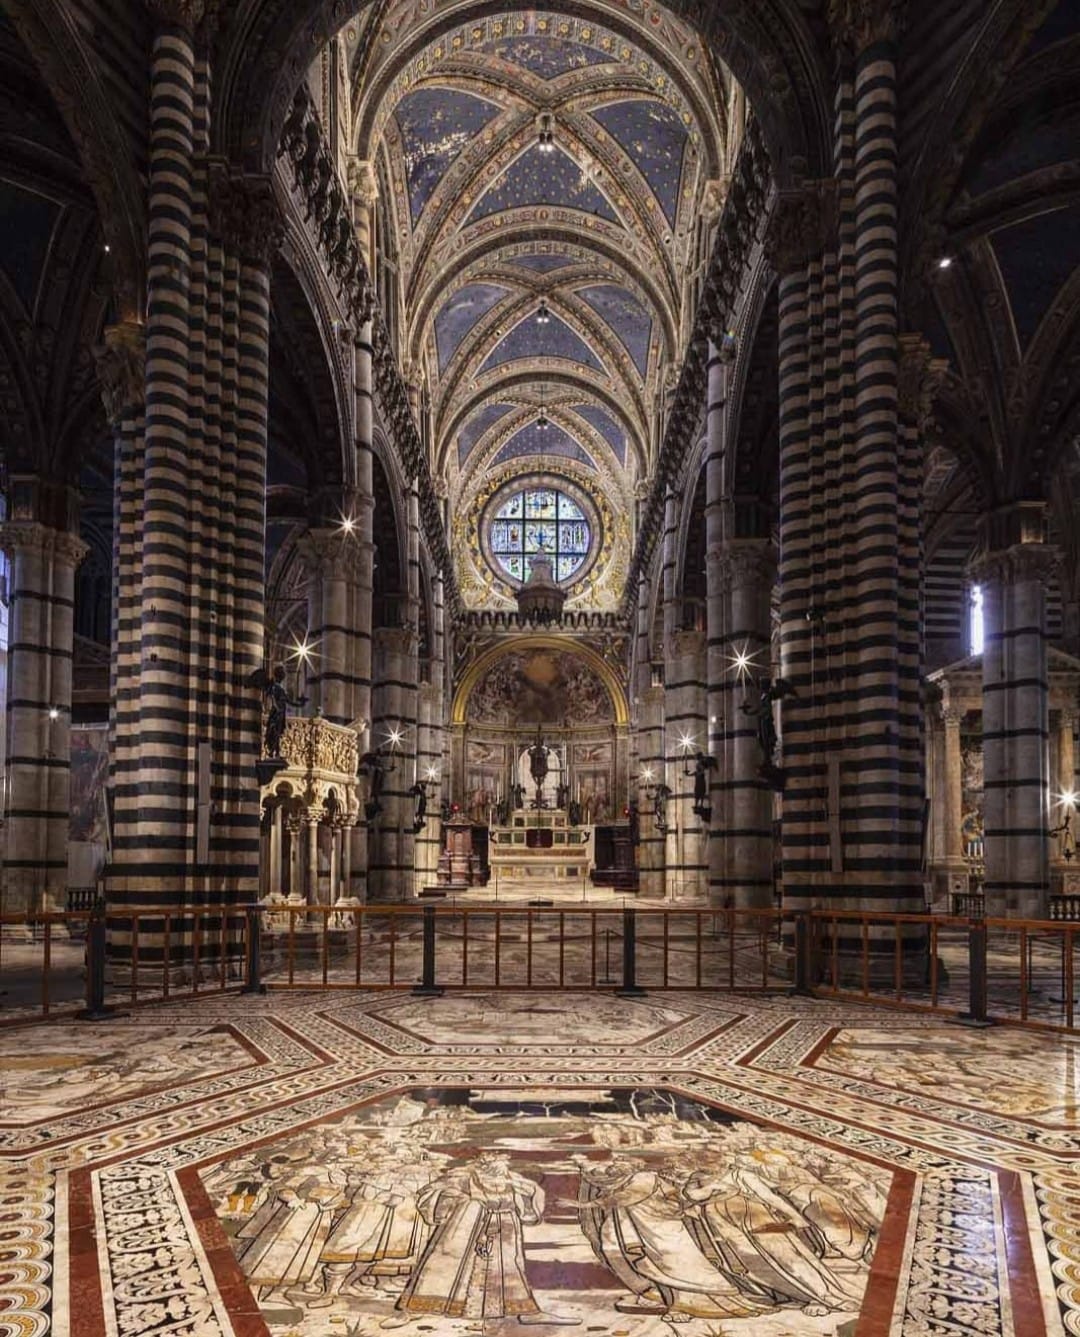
{"x": 38, "y": 747}
{"x": 1016, "y": 774}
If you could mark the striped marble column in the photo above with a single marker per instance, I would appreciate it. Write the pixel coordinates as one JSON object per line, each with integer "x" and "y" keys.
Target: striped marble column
{"x": 191, "y": 607}
{"x": 390, "y": 855}
{"x": 328, "y": 556}
{"x": 38, "y": 751}
{"x": 1016, "y": 780}
{"x": 747, "y": 573}
{"x": 685, "y": 726}
{"x": 652, "y": 849}
{"x": 360, "y": 620}
{"x": 882, "y": 786}
{"x": 715, "y": 613}
{"x": 428, "y": 765}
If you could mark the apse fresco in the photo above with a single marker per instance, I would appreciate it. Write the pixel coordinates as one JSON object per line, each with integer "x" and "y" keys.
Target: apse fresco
{"x": 622, "y": 1211}
{"x": 540, "y": 520}
{"x": 533, "y": 687}
{"x": 544, "y": 178}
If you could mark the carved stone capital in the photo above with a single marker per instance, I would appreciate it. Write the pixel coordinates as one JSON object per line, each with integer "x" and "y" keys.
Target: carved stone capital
{"x": 951, "y": 716}
{"x": 1016, "y": 565}
{"x": 363, "y": 181}
{"x": 919, "y": 379}
{"x": 396, "y": 640}
{"x": 185, "y": 14}
{"x": 244, "y": 214}
{"x": 801, "y": 225}
{"x": 742, "y": 563}
{"x": 858, "y": 24}
{"x": 22, "y": 536}
{"x": 121, "y": 369}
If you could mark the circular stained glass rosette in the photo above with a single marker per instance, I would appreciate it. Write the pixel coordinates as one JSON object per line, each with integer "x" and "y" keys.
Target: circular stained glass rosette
{"x": 539, "y": 520}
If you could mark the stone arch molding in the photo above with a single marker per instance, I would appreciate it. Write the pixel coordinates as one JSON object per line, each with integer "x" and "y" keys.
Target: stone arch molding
{"x": 527, "y": 645}
{"x": 768, "y": 46}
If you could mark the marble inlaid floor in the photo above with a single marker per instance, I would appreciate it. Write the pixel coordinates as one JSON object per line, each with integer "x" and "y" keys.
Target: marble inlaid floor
{"x": 298, "y": 1165}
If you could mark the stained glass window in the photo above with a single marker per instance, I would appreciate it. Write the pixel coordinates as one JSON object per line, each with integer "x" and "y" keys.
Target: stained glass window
{"x": 540, "y": 520}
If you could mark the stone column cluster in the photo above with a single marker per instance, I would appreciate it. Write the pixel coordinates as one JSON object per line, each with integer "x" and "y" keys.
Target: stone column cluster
{"x": 38, "y": 753}
{"x": 852, "y": 731}
{"x": 1016, "y": 724}
{"x": 190, "y": 509}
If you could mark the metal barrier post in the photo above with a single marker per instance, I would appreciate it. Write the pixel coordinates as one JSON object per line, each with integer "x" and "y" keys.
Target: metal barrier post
{"x": 95, "y": 967}
{"x": 253, "y": 964}
{"x": 976, "y": 1013}
{"x": 803, "y": 971}
{"x": 630, "y": 987}
{"x": 427, "y": 988}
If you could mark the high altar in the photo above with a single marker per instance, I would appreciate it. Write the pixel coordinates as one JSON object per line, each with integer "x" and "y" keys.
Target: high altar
{"x": 540, "y": 850}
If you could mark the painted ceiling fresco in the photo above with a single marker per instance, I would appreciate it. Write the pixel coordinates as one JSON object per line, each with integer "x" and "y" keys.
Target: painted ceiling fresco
{"x": 544, "y": 176}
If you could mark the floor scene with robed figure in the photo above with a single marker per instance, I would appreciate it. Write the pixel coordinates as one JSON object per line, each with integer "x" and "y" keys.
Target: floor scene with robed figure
{"x": 293, "y": 1165}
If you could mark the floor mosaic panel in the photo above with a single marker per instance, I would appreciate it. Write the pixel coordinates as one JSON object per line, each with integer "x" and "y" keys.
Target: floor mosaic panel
{"x": 298, "y": 1165}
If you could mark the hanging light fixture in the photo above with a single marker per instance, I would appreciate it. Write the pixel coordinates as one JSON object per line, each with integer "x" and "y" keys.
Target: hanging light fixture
{"x": 543, "y": 422}
{"x": 546, "y": 135}
{"x": 543, "y": 315}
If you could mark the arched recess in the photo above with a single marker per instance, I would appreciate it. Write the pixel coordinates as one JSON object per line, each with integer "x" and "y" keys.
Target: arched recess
{"x": 769, "y": 47}
{"x": 550, "y": 687}
{"x": 50, "y": 31}
{"x": 753, "y": 466}
{"x": 309, "y": 416}
{"x": 521, "y": 644}
{"x": 388, "y": 578}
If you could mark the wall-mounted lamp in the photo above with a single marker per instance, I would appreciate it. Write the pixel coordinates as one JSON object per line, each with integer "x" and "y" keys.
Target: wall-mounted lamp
{"x": 658, "y": 794}
{"x": 1063, "y": 830}
{"x": 698, "y": 766}
{"x": 376, "y": 766}
{"x": 419, "y": 793}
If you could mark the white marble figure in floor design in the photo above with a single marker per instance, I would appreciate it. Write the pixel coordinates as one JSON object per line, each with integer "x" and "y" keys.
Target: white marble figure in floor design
{"x": 633, "y": 1209}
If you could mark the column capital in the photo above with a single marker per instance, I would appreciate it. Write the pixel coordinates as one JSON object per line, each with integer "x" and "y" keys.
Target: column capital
{"x": 184, "y": 14}
{"x": 951, "y": 716}
{"x": 1018, "y": 564}
{"x": 21, "y": 536}
{"x": 363, "y": 181}
{"x": 687, "y": 643}
{"x": 244, "y": 214}
{"x": 742, "y": 562}
{"x": 331, "y": 551}
{"x": 121, "y": 369}
{"x": 396, "y": 640}
{"x": 858, "y": 24}
{"x": 801, "y": 224}
{"x": 920, "y": 377}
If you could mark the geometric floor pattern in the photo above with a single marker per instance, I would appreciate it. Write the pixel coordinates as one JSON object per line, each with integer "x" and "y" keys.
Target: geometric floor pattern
{"x": 309, "y": 1164}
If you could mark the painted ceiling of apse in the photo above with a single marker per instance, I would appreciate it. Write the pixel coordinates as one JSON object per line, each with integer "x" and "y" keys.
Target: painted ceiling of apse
{"x": 600, "y": 229}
